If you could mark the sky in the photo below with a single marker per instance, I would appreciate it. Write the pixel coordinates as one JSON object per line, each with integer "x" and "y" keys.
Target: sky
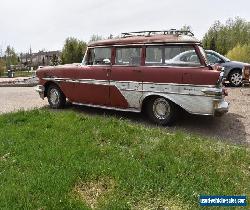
{"x": 45, "y": 24}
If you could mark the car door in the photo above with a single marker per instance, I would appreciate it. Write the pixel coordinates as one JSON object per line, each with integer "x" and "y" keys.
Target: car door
{"x": 126, "y": 77}
{"x": 92, "y": 84}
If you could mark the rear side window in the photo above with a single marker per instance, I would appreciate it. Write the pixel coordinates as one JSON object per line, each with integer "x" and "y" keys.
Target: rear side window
{"x": 98, "y": 56}
{"x": 128, "y": 56}
{"x": 172, "y": 55}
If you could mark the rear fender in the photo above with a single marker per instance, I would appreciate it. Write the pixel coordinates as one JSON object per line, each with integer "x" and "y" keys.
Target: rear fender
{"x": 199, "y": 104}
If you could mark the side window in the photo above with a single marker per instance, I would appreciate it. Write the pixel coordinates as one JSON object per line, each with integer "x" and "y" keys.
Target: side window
{"x": 128, "y": 56}
{"x": 154, "y": 55}
{"x": 172, "y": 55}
{"x": 98, "y": 56}
{"x": 181, "y": 56}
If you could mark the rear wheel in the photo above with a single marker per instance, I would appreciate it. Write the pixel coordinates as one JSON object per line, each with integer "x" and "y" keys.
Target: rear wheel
{"x": 161, "y": 111}
{"x": 235, "y": 78}
{"x": 56, "y": 98}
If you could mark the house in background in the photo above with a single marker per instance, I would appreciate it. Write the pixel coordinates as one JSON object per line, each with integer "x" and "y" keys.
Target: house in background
{"x": 41, "y": 58}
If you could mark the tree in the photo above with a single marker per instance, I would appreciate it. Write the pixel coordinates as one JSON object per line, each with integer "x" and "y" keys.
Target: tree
{"x": 54, "y": 61}
{"x": 2, "y": 66}
{"x": 240, "y": 53}
{"x": 224, "y": 37}
{"x": 11, "y": 56}
{"x": 73, "y": 50}
{"x": 95, "y": 37}
{"x": 186, "y": 28}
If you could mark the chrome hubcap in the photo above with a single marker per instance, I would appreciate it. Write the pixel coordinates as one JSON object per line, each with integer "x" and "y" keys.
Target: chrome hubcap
{"x": 161, "y": 108}
{"x": 54, "y": 96}
{"x": 236, "y": 78}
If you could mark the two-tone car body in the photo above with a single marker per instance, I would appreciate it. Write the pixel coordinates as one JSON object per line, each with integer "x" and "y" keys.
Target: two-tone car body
{"x": 139, "y": 72}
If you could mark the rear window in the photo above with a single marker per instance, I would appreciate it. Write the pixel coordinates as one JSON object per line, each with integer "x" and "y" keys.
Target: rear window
{"x": 173, "y": 55}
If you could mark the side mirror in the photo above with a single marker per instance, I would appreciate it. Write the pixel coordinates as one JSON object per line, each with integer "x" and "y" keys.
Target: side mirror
{"x": 106, "y": 61}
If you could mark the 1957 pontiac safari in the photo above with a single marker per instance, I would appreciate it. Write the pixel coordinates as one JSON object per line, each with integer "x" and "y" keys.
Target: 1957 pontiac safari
{"x": 141, "y": 71}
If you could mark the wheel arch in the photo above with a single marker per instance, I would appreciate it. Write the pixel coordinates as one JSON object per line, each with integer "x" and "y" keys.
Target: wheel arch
{"x": 148, "y": 97}
{"x": 232, "y": 70}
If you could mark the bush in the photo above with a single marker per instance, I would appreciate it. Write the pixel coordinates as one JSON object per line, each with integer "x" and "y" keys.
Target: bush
{"x": 240, "y": 53}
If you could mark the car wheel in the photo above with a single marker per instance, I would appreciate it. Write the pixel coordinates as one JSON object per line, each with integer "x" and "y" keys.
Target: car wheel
{"x": 161, "y": 111}
{"x": 56, "y": 98}
{"x": 235, "y": 78}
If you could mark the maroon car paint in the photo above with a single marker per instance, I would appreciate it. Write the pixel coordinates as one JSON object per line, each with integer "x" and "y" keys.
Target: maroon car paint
{"x": 103, "y": 94}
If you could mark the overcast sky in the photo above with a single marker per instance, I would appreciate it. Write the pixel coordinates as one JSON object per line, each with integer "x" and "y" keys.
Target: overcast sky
{"x": 45, "y": 24}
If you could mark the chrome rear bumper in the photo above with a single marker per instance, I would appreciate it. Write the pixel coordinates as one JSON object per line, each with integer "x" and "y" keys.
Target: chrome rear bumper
{"x": 220, "y": 107}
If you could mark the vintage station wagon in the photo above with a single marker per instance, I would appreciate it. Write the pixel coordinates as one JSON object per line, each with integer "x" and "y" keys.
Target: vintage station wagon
{"x": 149, "y": 71}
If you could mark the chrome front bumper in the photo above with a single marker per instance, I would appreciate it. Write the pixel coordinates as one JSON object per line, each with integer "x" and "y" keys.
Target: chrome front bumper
{"x": 40, "y": 89}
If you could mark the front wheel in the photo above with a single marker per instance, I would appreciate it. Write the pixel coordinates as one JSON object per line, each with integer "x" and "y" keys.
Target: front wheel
{"x": 56, "y": 98}
{"x": 235, "y": 78}
{"x": 161, "y": 111}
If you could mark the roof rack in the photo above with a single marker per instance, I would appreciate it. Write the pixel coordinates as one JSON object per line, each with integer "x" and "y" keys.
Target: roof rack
{"x": 164, "y": 32}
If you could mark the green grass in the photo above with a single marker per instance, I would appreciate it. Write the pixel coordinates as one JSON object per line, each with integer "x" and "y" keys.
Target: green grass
{"x": 59, "y": 160}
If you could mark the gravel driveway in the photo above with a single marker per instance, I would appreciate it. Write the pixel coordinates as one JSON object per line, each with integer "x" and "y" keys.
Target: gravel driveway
{"x": 234, "y": 127}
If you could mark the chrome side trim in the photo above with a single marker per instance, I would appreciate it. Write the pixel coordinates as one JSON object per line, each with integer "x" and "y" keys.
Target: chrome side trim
{"x": 212, "y": 91}
{"x": 128, "y": 109}
{"x": 110, "y": 81}
{"x": 156, "y": 92}
{"x": 109, "y": 108}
